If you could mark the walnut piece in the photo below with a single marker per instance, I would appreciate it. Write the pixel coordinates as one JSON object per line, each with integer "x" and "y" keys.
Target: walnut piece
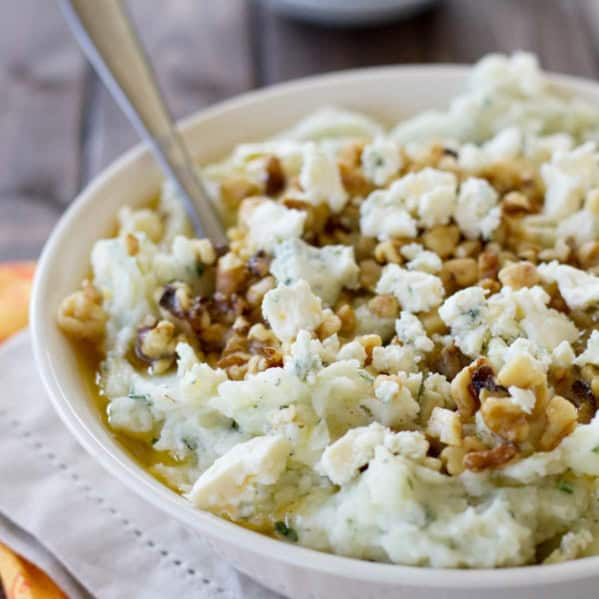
{"x": 81, "y": 315}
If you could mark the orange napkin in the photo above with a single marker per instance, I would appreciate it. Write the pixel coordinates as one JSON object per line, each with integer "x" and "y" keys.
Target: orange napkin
{"x": 20, "y": 579}
{"x": 15, "y": 286}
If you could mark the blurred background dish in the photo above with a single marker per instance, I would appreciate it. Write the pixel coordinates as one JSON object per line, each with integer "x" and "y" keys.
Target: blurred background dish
{"x": 345, "y": 13}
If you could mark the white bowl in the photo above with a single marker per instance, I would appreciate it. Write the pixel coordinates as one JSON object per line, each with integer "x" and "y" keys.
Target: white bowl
{"x": 388, "y": 93}
{"x": 345, "y": 13}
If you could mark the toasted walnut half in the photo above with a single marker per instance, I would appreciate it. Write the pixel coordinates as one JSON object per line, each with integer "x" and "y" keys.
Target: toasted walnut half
{"x": 81, "y": 315}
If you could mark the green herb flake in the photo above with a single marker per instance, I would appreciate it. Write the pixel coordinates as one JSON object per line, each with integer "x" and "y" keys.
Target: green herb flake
{"x": 565, "y": 487}
{"x": 286, "y": 531}
{"x": 190, "y": 443}
{"x": 200, "y": 269}
{"x": 595, "y": 449}
{"x": 235, "y": 425}
{"x": 429, "y": 514}
{"x": 142, "y": 397}
{"x": 364, "y": 375}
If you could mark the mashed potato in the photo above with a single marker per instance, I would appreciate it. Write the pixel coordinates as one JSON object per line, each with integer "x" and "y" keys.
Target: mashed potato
{"x": 396, "y": 357}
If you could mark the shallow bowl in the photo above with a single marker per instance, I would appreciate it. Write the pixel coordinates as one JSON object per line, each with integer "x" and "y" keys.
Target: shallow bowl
{"x": 387, "y": 93}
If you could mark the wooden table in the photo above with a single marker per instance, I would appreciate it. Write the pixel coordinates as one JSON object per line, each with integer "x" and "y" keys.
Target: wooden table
{"x": 59, "y": 128}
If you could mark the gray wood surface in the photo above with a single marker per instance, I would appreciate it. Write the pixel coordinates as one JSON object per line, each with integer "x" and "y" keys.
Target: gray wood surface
{"x": 59, "y": 128}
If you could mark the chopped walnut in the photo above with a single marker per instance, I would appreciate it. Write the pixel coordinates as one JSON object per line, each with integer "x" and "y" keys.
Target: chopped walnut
{"x": 347, "y": 317}
{"x": 467, "y": 385}
{"x": 470, "y": 248}
{"x": 231, "y": 274}
{"x": 175, "y": 299}
{"x": 451, "y": 360}
{"x": 274, "y": 176}
{"x": 155, "y": 345}
{"x": 488, "y": 265}
{"x": 330, "y": 325}
{"x": 369, "y": 342}
{"x": 81, "y": 314}
{"x": 432, "y": 322}
{"x": 388, "y": 252}
{"x": 522, "y": 371}
{"x": 258, "y": 290}
{"x": 505, "y": 418}
{"x": 561, "y": 420}
{"x": 205, "y": 251}
{"x": 234, "y": 191}
{"x": 132, "y": 244}
{"x": 453, "y": 459}
{"x": 588, "y": 254}
{"x": 519, "y": 275}
{"x": 516, "y": 202}
{"x": 384, "y": 306}
{"x": 487, "y": 459}
{"x": 459, "y": 273}
{"x": 442, "y": 239}
{"x": 582, "y": 396}
{"x": 370, "y": 273}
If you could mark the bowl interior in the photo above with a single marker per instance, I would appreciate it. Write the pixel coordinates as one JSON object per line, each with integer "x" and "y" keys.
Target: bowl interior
{"x": 389, "y": 94}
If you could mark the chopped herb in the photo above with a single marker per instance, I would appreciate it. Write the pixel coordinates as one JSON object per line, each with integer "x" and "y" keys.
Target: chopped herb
{"x": 429, "y": 514}
{"x": 377, "y": 159}
{"x": 200, "y": 270}
{"x": 286, "y": 531}
{"x": 565, "y": 487}
{"x": 473, "y": 313}
{"x": 143, "y": 397}
{"x": 235, "y": 425}
{"x": 364, "y": 375}
{"x": 595, "y": 449}
{"x": 155, "y": 440}
{"x": 190, "y": 443}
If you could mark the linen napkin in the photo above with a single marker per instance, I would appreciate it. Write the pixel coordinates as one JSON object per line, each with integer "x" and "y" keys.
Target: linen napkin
{"x": 91, "y": 534}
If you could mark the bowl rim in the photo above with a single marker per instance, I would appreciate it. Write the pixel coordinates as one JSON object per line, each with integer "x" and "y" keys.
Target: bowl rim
{"x": 138, "y": 481}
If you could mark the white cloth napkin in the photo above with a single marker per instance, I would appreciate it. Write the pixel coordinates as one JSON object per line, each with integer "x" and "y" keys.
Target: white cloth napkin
{"x": 84, "y": 528}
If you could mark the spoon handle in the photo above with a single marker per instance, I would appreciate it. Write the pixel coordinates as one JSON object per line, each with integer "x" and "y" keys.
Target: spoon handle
{"x": 107, "y": 37}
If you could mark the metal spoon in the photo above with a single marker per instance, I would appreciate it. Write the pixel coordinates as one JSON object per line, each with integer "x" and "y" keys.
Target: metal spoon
{"x": 107, "y": 37}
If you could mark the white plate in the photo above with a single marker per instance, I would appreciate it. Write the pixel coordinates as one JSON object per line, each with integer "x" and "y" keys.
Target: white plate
{"x": 387, "y": 93}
